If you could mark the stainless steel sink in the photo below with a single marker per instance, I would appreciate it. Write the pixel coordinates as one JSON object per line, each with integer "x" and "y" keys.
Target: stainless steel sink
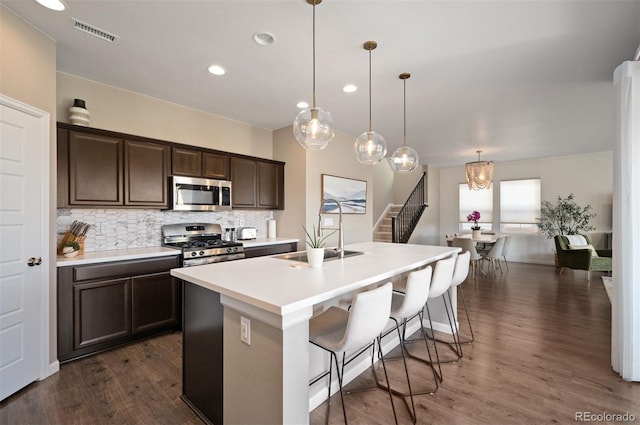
{"x": 329, "y": 255}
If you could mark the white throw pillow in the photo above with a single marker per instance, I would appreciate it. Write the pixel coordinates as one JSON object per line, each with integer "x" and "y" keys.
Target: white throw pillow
{"x": 576, "y": 240}
{"x": 593, "y": 250}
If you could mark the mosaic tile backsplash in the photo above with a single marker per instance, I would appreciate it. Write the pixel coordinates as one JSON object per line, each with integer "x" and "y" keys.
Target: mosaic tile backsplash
{"x": 140, "y": 228}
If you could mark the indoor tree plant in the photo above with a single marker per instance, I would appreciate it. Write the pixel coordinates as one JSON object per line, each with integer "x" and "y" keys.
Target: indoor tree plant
{"x": 565, "y": 217}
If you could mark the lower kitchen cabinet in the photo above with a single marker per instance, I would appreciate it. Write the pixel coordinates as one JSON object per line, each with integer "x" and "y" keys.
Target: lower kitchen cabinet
{"x": 104, "y": 305}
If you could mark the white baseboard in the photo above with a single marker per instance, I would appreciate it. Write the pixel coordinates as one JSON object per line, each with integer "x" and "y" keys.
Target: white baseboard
{"x": 52, "y": 368}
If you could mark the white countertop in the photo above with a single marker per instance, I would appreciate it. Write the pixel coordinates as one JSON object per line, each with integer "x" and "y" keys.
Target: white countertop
{"x": 252, "y": 243}
{"x": 284, "y": 287}
{"x": 116, "y": 255}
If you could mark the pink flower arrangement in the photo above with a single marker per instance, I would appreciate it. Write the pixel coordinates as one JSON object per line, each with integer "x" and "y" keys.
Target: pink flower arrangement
{"x": 474, "y": 216}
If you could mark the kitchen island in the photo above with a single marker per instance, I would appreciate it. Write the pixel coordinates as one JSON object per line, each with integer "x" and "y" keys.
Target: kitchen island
{"x": 267, "y": 381}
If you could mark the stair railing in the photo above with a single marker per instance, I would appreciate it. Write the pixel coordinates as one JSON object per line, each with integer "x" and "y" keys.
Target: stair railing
{"x": 407, "y": 219}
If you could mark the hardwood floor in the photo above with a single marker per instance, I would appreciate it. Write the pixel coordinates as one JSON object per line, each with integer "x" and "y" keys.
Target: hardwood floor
{"x": 541, "y": 355}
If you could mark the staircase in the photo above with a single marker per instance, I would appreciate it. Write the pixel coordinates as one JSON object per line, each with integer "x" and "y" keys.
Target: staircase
{"x": 398, "y": 222}
{"x": 382, "y": 232}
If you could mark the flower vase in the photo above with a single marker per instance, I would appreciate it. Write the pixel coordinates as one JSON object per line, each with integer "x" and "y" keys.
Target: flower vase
{"x": 475, "y": 234}
{"x": 315, "y": 257}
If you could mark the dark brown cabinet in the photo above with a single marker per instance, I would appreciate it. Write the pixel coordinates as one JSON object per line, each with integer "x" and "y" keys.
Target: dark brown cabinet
{"x": 146, "y": 173}
{"x": 257, "y": 184}
{"x": 154, "y": 300}
{"x": 104, "y": 305}
{"x": 98, "y": 169}
{"x": 94, "y": 167}
{"x": 196, "y": 163}
{"x": 101, "y": 312}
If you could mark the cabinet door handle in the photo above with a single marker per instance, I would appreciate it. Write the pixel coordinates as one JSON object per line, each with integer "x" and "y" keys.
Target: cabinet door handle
{"x": 33, "y": 261}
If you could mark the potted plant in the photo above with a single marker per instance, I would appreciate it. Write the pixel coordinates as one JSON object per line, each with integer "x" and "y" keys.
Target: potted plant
{"x": 70, "y": 249}
{"x": 315, "y": 247}
{"x": 475, "y": 229}
{"x": 565, "y": 217}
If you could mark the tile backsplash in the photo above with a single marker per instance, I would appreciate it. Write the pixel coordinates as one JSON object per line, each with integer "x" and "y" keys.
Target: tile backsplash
{"x": 139, "y": 228}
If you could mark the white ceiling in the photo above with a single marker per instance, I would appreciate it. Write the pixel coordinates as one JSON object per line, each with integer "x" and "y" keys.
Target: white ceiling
{"x": 517, "y": 79}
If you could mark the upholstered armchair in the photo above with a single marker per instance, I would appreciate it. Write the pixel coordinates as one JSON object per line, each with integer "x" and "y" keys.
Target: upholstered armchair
{"x": 583, "y": 258}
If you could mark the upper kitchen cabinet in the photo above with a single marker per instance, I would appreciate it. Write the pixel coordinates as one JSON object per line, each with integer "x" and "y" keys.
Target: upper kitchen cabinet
{"x": 146, "y": 173}
{"x": 198, "y": 163}
{"x": 97, "y": 168}
{"x": 257, "y": 184}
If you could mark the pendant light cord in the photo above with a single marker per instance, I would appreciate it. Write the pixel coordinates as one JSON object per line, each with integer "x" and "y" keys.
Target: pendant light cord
{"x": 404, "y": 83}
{"x": 314, "y": 55}
{"x": 369, "y": 90}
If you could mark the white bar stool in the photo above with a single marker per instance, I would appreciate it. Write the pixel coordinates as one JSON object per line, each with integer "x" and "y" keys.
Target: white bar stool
{"x": 440, "y": 284}
{"x": 339, "y": 331}
{"x": 406, "y": 306}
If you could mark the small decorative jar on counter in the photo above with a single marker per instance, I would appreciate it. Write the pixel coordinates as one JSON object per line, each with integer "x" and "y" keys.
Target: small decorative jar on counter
{"x": 78, "y": 113}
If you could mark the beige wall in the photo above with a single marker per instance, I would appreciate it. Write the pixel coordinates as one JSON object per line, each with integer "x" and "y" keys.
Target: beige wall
{"x": 383, "y": 179}
{"x": 588, "y": 176}
{"x": 28, "y": 74}
{"x": 303, "y": 185}
{"x": 124, "y": 111}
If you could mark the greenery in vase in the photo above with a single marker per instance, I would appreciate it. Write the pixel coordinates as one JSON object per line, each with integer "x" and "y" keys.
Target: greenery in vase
{"x": 72, "y": 244}
{"x": 474, "y": 216}
{"x": 565, "y": 217}
{"x": 314, "y": 241}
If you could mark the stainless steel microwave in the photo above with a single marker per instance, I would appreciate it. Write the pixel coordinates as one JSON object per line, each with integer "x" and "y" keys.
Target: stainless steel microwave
{"x": 198, "y": 194}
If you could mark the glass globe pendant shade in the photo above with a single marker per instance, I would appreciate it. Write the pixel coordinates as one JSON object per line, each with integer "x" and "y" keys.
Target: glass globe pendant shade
{"x": 370, "y": 147}
{"x": 404, "y": 160}
{"x": 313, "y": 128}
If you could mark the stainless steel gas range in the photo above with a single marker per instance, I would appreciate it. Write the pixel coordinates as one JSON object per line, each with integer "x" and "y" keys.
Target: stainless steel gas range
{"x": 201, "y": 243}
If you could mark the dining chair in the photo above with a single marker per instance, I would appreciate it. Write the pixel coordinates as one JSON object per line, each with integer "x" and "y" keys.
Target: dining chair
{"x": 340, "y": 331}
{"x": 505, "y": 250}
{"x": 469, "y": 246}
{"x": 494, "y": 255}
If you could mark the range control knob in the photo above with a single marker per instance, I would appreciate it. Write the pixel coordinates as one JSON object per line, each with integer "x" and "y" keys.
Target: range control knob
{"x": 201, "y": 253}
{"x": 193, "y": 254}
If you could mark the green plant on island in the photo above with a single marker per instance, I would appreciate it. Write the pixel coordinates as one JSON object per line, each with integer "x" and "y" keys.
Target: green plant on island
{"x": 565, "y": 217}
{"x": 315, "y": 241}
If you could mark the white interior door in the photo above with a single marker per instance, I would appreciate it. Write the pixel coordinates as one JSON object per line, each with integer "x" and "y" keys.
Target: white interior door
{"x": 23, "y": 246}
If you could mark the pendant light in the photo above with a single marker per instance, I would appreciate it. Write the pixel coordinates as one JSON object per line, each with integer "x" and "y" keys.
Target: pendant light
{"x": 313, "y": 127}
{"x": 479, "y": 174}
{"x": 370, "y": 147}
{"x": 404, "y": 159}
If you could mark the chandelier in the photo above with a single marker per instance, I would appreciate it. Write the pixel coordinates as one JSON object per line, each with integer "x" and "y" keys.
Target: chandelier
{"x": 479, "y": 174}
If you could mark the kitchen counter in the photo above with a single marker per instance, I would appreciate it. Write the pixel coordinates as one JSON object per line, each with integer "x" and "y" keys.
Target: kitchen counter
{"x": 278, "y": 297}
{"x": 116, "y": 255}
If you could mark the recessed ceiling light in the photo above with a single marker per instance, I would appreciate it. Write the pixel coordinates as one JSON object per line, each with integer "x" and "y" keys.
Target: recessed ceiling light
{"x": 264, "y": 38}
{"x": 217, "y": 70}
{"x": 349, "y": 88}
{"x": 302, "y": 104}
{"x": 52, "y": 4}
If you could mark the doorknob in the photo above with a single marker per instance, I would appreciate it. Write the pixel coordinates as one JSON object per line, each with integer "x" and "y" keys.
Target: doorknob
{"x": 33, "y": 261}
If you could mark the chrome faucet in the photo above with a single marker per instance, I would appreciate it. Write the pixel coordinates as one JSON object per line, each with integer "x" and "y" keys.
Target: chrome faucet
{"x": 340, "y": 248}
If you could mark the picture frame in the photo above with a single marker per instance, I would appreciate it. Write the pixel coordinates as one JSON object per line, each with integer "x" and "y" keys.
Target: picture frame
{"x": 350, "y": 193}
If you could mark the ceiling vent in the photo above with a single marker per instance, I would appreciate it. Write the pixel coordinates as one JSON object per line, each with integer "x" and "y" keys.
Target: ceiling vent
{"x": 94, "y": 31}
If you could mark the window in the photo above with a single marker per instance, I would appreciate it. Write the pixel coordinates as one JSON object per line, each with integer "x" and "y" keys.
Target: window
{"x": 519, "y": 205}
{"x": 475, "y": 200}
